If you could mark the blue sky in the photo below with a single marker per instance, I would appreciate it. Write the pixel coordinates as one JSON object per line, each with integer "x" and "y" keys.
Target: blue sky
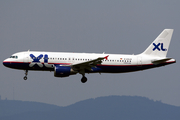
{"x": 117, "y": 26}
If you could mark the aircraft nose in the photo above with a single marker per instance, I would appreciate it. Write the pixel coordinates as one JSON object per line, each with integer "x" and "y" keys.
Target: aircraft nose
{"x": 5, "y": 63}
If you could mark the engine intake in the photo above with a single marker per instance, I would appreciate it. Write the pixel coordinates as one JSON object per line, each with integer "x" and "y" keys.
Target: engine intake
{"x": 63, "y": 71}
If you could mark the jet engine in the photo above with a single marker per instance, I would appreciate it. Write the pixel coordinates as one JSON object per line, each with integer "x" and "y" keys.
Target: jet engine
{"x": 63, "y": 71}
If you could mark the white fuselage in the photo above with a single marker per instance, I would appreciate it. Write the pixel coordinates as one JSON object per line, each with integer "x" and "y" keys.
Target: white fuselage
{"x": 65, "y": 63}
{"x": 115, "y": 62}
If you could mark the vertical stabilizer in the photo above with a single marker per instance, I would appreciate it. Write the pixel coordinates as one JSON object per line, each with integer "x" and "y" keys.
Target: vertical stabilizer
{"x": 159, "y": 47}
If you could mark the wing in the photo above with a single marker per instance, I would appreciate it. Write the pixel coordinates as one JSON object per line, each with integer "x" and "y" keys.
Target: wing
{"x": 88, "y": 64}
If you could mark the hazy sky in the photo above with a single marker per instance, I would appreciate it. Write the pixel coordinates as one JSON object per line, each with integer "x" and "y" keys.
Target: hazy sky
{"x": 116, "y": 26}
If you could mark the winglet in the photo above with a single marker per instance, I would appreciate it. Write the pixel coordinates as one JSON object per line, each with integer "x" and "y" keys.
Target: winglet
{"x": 106, "y": 57}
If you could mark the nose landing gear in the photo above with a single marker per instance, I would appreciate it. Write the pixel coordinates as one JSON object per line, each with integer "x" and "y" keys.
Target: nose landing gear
{"x": 26, "y": 73}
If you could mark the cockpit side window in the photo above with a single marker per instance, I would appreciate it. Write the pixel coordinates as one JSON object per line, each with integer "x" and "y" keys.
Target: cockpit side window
{"x": 16, "y": 57}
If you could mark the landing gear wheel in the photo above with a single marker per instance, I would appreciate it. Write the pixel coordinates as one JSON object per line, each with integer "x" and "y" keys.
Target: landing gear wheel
{"x": 26, "y": 73}
{"x": 25, "y": 78}
{"x": 83, "y": 79}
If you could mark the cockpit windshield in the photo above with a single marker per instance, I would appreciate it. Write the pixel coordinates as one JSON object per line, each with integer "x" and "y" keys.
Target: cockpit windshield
{"x": 16, "y": 57}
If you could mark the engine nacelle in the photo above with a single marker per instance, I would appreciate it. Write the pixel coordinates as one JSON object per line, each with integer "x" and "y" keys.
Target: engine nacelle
{"x": 63, "y": 71}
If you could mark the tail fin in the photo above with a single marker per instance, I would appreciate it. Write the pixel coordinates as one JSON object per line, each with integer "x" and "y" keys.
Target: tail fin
{"x": 159, "y": 47}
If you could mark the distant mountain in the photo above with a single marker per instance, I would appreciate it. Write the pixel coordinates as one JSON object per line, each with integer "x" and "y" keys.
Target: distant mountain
{"x": 12, "y": 107}
{"x": 103, "y": 108}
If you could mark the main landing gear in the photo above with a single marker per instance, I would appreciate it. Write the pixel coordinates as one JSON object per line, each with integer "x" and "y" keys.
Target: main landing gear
{"x": 84, "y": 79}
{"x": 26, "y": 73}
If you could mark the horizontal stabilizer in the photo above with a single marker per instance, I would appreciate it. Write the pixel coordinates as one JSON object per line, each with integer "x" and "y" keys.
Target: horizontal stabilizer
{"x": 160, "y": 61}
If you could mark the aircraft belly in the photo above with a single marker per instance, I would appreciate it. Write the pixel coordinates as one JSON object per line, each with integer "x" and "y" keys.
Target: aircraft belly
{"x": 130, "y": 68}
{"x": 27, "y": 66}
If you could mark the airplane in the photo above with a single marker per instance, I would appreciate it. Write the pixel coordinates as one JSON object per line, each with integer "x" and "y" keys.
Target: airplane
{"x": 65, "y": 64}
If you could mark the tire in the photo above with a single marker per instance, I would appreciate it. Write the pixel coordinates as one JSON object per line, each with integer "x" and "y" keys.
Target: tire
{"x": 83, "y": 79}
{"x": 25, "y": 78}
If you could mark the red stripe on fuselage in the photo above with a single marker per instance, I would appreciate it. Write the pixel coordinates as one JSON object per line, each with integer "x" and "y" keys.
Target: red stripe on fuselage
{"x": 97, "y": 65}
